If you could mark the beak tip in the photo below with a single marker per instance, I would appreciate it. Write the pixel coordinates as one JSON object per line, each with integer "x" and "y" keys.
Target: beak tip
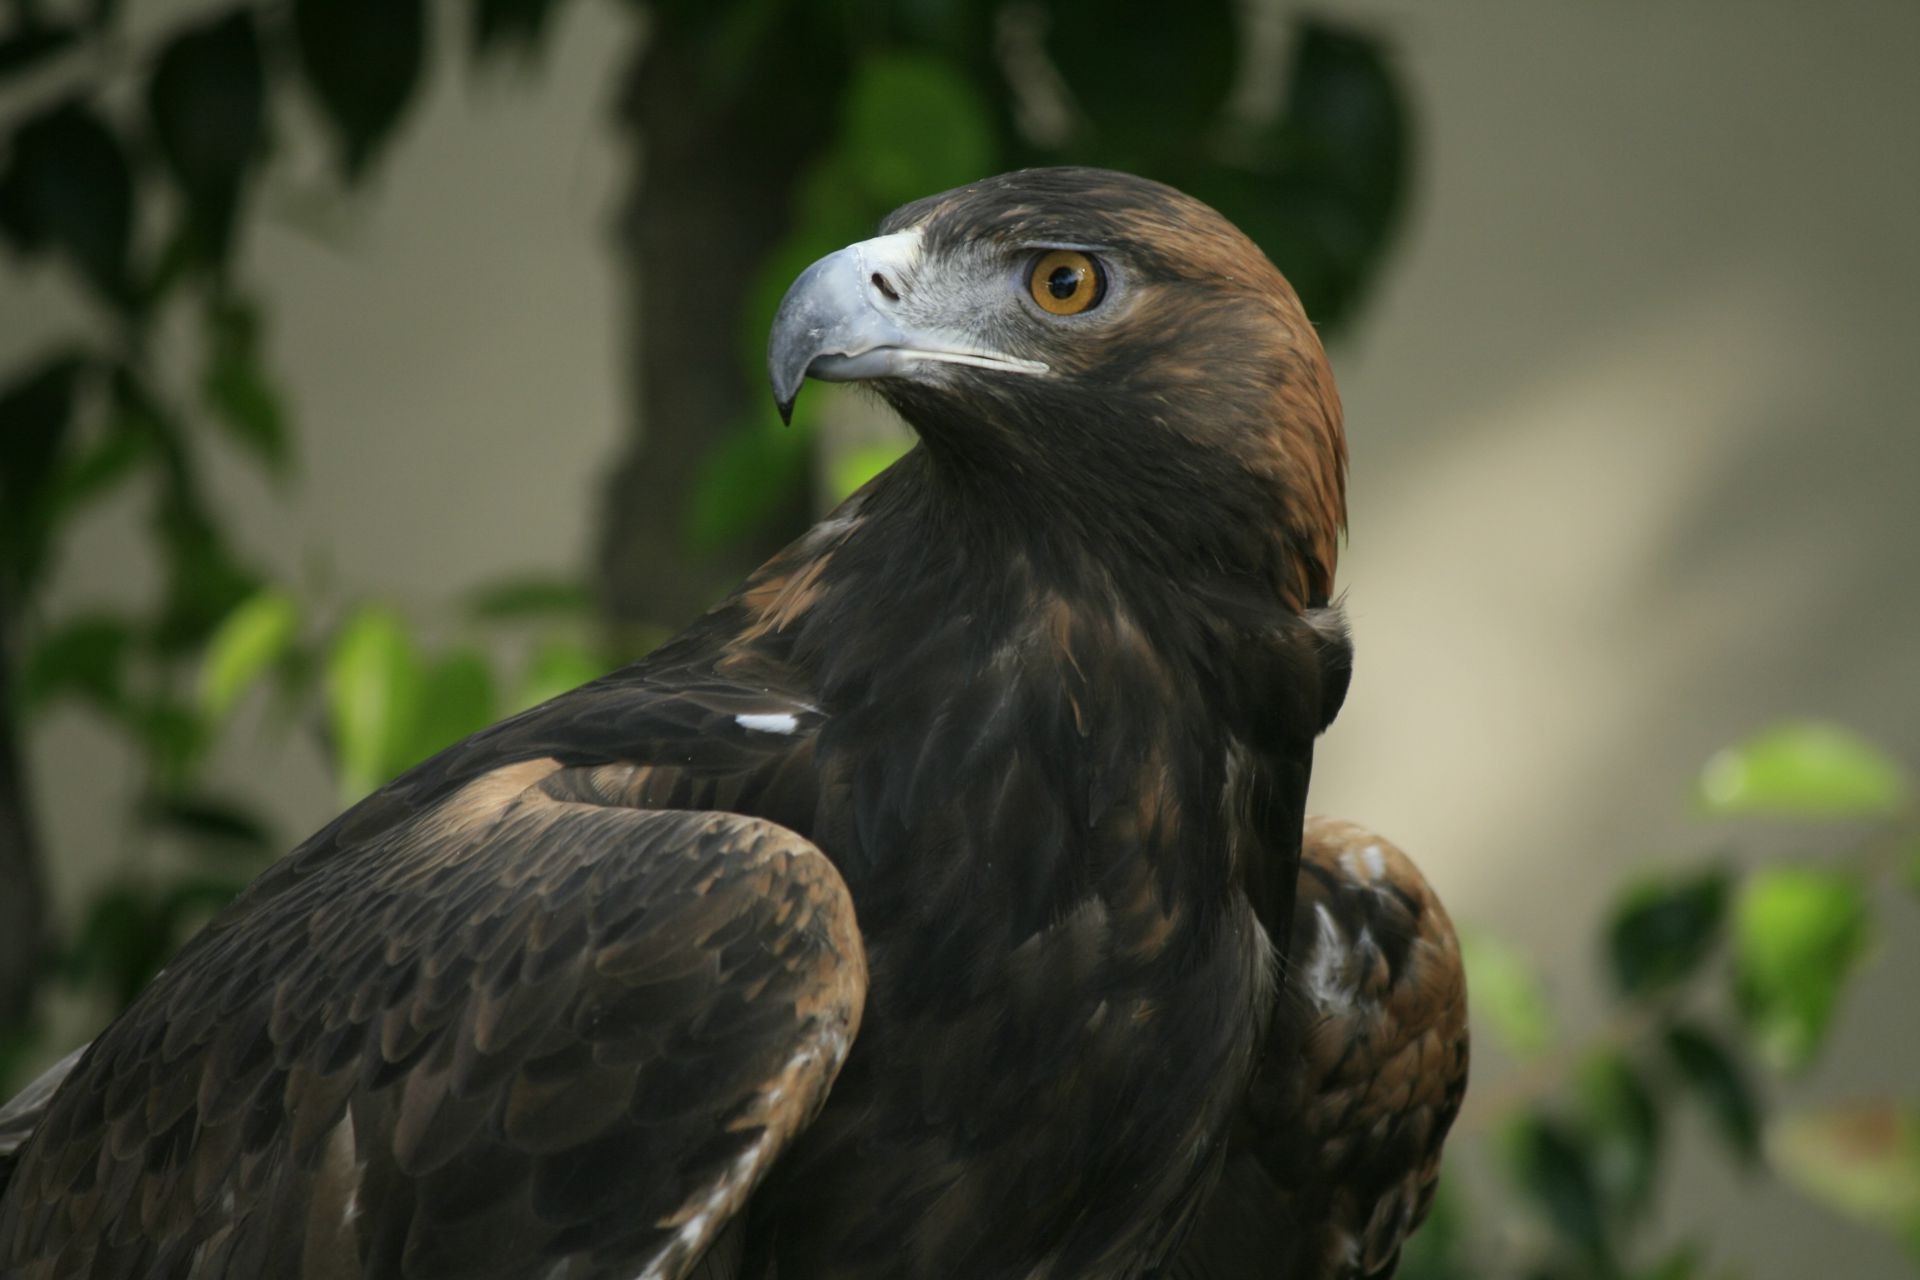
{"x": 785, "y": 405}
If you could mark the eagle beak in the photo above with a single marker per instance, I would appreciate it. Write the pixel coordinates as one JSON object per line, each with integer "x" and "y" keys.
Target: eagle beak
{"x": 844, "y": 321}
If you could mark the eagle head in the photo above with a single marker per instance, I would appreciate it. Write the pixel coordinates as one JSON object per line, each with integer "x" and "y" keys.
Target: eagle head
{"x": 1092, "y": 341}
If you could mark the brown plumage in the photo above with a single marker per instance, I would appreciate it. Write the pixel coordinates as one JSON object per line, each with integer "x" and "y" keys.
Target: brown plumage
{"x": 923, "y": 910}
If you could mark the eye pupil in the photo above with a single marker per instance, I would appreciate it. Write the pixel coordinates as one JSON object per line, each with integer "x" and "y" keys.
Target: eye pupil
{"x": 1066, "y": 282}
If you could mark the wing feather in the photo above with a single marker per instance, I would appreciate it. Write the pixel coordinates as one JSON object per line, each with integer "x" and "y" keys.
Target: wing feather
{"x": 516, "y": 1031}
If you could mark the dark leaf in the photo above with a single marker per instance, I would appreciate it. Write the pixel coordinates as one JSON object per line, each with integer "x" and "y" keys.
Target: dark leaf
{"x": 363, "y": 59}
{"x": 100, "y": 466}
{"x": 237, "y": 387}
{"x": 84, "y": 658}
{"x": 516, "y": 25}
{"x": 1623, "y": 1119}
{"x": 213, "y": 824}
{"x": 206, "y": 100}
{"x": 31, "y": 43}
{"x": 750, "y": 478}
{"x": 1662, "y": 929}
{"x": 1799, "y": 932}
{"x": 530, "y": 597}
{"x": 67, "y": 185}
{"x": 121, "y": 943}
{"x": 174, "y": 737}
{"x": 913, "y": 125}
{"x": 1345, "y": 110}
{"x": 1720, "y": 1083}
{"x": 1437, "y": 1251}
{"x": 1551, "y": 1166}
{"x": 1151, "y": 77}
{"x": 36, "y": 415}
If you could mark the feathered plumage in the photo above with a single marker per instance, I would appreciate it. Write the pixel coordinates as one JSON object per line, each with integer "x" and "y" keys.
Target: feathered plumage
{"x": 926, "y": 909}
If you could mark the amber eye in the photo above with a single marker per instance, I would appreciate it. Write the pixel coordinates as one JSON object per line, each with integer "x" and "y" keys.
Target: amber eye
{"x": 1066, "y": 282}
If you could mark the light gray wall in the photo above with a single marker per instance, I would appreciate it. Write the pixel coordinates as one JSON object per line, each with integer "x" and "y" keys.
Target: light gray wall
{"x": 1633, "y": 426}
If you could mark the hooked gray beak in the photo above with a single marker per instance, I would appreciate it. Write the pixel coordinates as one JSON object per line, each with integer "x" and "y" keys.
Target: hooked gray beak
{"x": 843, "y": 321}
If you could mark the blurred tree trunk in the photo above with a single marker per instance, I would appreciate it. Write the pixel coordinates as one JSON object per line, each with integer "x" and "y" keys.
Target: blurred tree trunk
{"x": 720, "y": 155}
{"x": 22, "y": 892}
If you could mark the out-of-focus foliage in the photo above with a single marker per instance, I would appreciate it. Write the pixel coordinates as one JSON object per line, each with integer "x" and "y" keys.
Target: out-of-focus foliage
{"x": 1725, "y": 980}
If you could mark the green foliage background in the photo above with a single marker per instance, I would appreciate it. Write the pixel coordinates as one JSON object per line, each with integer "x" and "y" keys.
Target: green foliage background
{"x": 1725, "y": 975}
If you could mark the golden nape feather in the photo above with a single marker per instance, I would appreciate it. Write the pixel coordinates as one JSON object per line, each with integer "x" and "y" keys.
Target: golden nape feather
{"x": 1337, "y": 1154}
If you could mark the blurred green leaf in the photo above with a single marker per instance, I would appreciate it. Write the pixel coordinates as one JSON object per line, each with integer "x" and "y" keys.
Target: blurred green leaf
{"x": 557, "y": 665}
{"x": 1661, "y": 929}
{"x": 363, "y": 59}
{"x": 1549, "y": 1165}
{"x": 1717, "y": 1079}
{"x": 237, "y": 388}
{"x": 99, "y": 467}
{"x": 83, "y": 657}
{"x": 1684, "y": 1263}
{"x": 67, "y": 185}
{"x": 914, "y": 125}
{"x": 1508, "y": 993}
{"x": 36, "y": 413}
{"x": 373, "y": 689}
{"x": 1805, "y": 769}
{"x": 1798, "y": 934}
{"x": 1437, "y": 1251}
{"x": 1345, "y": 110}
{"x": 456, "y": 699}
{"x": 211, "y": 823}
{"x": 1623, "y": 1117}
{"x": 857, "y": 466}
{"x": 247, "y": 644}
{"x": 1151, "y": 77}
{"x": 532, "y": 597}
{"x": 32, "y": 42}
{"x": 174, "y": 737}
{"x": 206, "y": 102}
{"x": 751, "y": 477}
{"x": 1860, "y": 1158}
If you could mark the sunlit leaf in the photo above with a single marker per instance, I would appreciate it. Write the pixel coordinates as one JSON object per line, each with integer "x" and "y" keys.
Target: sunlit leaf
{"x": 532, "y": 597}
{"x": 914, "y": 125}
{"x": 1798, "y": 934}
{"x": 249, "y": 643}
{"x": 1805, "y": 769}
{"x": 1720, "y": 1083}
{"x": 1507, "y": 992}
{"x": 1149, "y": 76}
{"x": 1623, "y": 1117}
{"x": 84, "y": 657}
{"x": 206, "y": 102}
{"x": 1551, "y": 1166}
{"x": 1862, "y": 1158}
{"x": 857, "y": 466}
{"x": 237, "y": 387}
{"x": 67, "y": 185}
{"x": 557, "y": 665}
{"x": 1661, "y": 929}
{"x": 373, "y": 697}
{"x": 363, "y": 59}
{"x": 456, "y": 699}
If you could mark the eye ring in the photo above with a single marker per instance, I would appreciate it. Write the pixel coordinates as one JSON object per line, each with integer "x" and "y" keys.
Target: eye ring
{"x": 1066, "y": 282}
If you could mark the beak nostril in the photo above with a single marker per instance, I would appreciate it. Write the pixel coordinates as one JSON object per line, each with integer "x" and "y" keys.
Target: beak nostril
{"x": 885, "y": 286}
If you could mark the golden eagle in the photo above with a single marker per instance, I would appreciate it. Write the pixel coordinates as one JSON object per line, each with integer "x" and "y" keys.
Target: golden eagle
{"x": 932, "y": 907}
